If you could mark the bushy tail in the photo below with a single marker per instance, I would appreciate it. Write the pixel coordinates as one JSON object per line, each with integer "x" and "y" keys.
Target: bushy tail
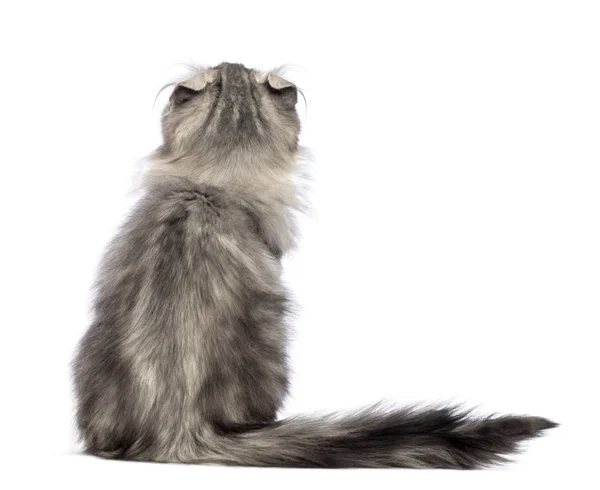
{"x": 372, "y": 438}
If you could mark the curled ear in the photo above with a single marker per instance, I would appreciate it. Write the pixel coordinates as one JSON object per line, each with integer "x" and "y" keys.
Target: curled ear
{"x": 182, "y": 94}
{"x": 184, "y": 91}
{"x": 283, "y": 89}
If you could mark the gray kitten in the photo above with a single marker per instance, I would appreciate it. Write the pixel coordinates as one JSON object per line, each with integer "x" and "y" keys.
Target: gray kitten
{"x": 185, "y": 360}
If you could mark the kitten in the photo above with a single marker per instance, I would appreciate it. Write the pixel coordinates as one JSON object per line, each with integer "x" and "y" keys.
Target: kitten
{"x": 185, "y": 360}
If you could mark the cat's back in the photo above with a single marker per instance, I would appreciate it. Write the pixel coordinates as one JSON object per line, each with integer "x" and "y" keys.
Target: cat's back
{"x": 183, "y": 268}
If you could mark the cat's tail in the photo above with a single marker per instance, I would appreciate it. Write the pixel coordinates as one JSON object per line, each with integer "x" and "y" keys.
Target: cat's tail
{"x": 375, "y": 437}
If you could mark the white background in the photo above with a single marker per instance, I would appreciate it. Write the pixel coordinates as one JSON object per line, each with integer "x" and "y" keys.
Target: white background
{"x": 452, "y": 252}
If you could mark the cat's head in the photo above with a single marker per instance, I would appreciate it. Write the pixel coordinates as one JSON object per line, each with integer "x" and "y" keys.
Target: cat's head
{"x": 229, "y": 112}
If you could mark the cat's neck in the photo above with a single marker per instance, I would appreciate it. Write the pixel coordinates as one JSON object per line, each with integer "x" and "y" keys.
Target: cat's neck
{"x": 255, "y": 179}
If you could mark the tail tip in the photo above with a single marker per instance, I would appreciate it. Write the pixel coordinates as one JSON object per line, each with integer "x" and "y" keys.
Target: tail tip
{"x": 520, "y": 427}
{"x": 540, "y": 424}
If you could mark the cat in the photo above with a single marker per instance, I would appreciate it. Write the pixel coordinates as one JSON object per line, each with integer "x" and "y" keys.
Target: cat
{"x": 185, "y": 360}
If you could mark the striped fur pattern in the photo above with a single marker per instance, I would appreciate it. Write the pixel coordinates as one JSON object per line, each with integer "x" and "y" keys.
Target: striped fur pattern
{"x": 185, "y": 360}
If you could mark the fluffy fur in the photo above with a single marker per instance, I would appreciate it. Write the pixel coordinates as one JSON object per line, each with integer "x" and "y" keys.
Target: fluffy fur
{"x": 185, "y": 360}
